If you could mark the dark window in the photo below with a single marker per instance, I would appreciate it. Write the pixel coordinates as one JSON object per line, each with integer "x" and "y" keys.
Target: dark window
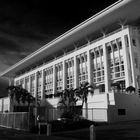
{"x": 121, "y": 111}
{"x": 134, "y": 42}
{"x": 126, "y": 40}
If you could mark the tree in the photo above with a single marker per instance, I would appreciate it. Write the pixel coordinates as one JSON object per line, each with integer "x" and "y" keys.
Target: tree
{"x": 69, "y": 98}
{"x": 67, "y": 102}
{"x": 82, "y": 93}
{"x": 20, "y": 95}
{"x": 130, "y": 89}
{"x": 116, "y": 86}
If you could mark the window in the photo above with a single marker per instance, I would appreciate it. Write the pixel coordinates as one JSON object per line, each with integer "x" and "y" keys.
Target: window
{"x": 121, "y": 112}
{"x": 114, "y": 46}
{"x": 97, "y": 64}
{"x": 126, "y": 40}
{"x": 17, "y": 83}
{"x": 59, "y": 77}
{"x": 83, "y": 73}
{"x": 134, "y": 42}
{"x": 27, "y": 83}
{"x": 33, "y": 84}
{"x": 70, "y": 73}
{"x": 119, "y": 42}
{"x": 39, "y": 76}
{"x": 136, "y": 60}
{"x": 48, "y": 81}
{"x": 115, "y": 58}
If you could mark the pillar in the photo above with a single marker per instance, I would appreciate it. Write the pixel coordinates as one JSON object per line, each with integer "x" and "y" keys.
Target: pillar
{"x": 75, "y": 72}
{"x": 89, "y": 67}
{"x": 64, "y": 75}
{"x": 29, "y": 83}
{"x": 35, "y": 90}
{"x": 42, "y": 85}
{"x": 107, "y": 80}
{"x": 54, "y": 79}
{"x": 127, "y": 65}
{"x": 24, "y": 83}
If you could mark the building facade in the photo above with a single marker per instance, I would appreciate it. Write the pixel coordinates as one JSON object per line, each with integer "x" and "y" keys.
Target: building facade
{"x": 102, "y": 50}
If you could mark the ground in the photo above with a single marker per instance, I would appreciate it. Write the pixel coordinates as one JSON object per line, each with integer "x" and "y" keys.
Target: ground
{"x": 116, "y": 131}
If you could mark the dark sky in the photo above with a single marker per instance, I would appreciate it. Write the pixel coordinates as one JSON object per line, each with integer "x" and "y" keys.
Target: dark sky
{"x": 26, "y": 25}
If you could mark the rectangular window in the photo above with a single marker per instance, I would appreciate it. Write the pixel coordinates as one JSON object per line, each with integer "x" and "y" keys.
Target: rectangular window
{"x": 48, "y": 81}
{"x": 136, "y": 60}
{"x": 121, "y": 112}
{"x": 134, "y": 42}
{"x": 126, "y": 40}
{"x": 82, "y": 67}
{"x": 70, "y": 73}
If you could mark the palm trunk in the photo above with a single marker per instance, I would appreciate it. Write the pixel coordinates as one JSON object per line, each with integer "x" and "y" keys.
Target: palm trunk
{"x": 86, "y": 107}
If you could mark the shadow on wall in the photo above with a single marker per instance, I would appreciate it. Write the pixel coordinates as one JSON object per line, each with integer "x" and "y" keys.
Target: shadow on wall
{"x": 47, "y": 111}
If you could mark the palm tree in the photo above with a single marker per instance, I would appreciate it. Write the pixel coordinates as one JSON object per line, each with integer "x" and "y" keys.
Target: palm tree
{"x": 67, "y": 102}
{"x": 82, "y": 93}
{"x": 20, "y": 95}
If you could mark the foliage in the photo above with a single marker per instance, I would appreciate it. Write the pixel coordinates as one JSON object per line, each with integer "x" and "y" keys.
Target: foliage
{"x": 130, "y": 89}
{"x": 20, "y": 95}
{"x": 82, "y": 92}
{"x": 67, "y": 102}
{"x": 69, "y": 97}
{"x": 61, "y": 125}
{"x": 116, "y": 86}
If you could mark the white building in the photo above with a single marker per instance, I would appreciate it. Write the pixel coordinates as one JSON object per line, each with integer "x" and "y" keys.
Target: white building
{"x": 102, "y": 50}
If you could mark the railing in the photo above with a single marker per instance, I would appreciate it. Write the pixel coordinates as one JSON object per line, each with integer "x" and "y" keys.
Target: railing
{"x": 16, "y": 120}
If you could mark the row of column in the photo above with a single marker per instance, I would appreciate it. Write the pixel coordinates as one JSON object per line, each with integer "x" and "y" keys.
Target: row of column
{"x": 75, "y": 75}
{"x": 90, "y": 73}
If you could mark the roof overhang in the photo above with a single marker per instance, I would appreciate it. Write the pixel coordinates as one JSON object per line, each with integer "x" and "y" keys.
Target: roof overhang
{"x": 122, "y": 9}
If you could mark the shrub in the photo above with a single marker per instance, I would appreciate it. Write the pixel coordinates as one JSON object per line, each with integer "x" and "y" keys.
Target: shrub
{"x": 65, "y": 124}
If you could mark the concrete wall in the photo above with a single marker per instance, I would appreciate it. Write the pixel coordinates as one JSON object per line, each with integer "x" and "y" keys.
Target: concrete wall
{"x": 97, "y": 108}
{"x": 126, "y": 108}
{"x": 4, "y": 104}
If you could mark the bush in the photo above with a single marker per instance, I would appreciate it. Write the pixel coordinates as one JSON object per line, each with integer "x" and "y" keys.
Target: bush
{"x": 78, "y": 124}
{"x": 68, "y": 124}
{"x": 57, "y": 125}
{"x": 34, "y": 129}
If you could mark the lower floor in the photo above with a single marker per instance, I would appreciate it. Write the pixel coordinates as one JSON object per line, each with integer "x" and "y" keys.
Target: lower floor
{"x": 111, "y": 107}
{"x": 106, "y": 107}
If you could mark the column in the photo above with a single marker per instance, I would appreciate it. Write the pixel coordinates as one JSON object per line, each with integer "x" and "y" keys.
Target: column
{"x": 24, "y": 83}
{"x": 113, "y": 57}
{"x": 89, "y": 67}
{"x": 106, "y": 70}
{"x": 42, "y": 85}
{"x": 131, "y": 58}
{"x": 11, "y": 102}
{"x": 75, "y": 72}
{"x": 10, "y": 81}
{"x": 128, "y": 74}
{"x": 54, "y": 79}
{"x": 29, "y": 83}
{"x": 35, "y": 90}
{"x": 64, "y": 75}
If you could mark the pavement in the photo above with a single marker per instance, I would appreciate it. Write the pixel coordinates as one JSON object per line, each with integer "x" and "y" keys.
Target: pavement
{"x": 12, "y": 134}
{"x": 116, "y": 131}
